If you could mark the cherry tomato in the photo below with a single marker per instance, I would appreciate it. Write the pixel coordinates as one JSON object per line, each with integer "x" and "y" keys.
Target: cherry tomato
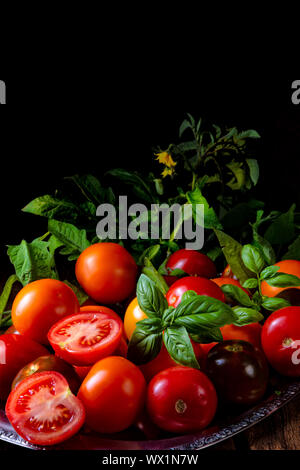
{"x": 191, "y": 262}
{"x": 39, "y": 305}
{"x": 107, "y": 272}
{"x": 49, "y": 363}
{"x": 15, "y": 352}
{"x": 164, "y": 361}
{"x": 281, "y": 340}
{"x": 228, "y": 272}
{"x": 86, "y": 337}
{"x": 250, "y": 333}
{"x": 43, "y": 410}
{"x": 181, "y": 400}
{"x": 200, "y": 285}
{"x": 291, "y": 293}
{"x": 239, "y": 372}
{"x": 113, "y": 394}
{"x": 133, "y": 314}
{"x": 221, "y": 281}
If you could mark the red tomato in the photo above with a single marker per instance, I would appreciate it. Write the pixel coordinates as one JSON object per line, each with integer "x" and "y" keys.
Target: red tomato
{"x": 113, "y": 394}
{"x": 228, "y": 272}
{"x": 82, "y": 371}
{"x": 164, "y": 361}
{"x": 15, "y": 352}
{"x": 107, "y": 272}
{"x": 200, "y": 285}
{"x": 133, "y": 314}
{"x": 221, "y": 281}
{"x": 281, "y": 340}
{"x": 288, "y": 267}
{"x": 181, "y": 400}
{"x": 192, "y": 262}
{"x": 49, "y": 363}
{"x": 100, "y": 309}
{"x": 86, "y": 337}
{"x": 250, "y": 333}
{"x": 43, "y": 410}
{"x": 12, "y": 331}
{"x": 39, "y": 305}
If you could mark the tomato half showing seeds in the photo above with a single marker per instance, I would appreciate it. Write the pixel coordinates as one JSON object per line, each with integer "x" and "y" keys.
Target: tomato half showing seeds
{"x": 86, "y": 337}
{"x": 113, "y": 394}
{"x": 43, "y": 410}
{"x": 281, "y": 340}
{"x": 200, "y": 285}
{"x": 15, "y": 352}
{"x": 181, "y": 400}
{"x": 39, "y": 305}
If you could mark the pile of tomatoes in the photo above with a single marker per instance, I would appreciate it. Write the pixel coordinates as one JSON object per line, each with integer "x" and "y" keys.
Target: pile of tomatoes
{"x": 63, "y": 366}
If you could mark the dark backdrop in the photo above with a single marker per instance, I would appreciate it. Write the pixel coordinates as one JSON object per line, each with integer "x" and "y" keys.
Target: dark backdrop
{"x": 54, "y": 128}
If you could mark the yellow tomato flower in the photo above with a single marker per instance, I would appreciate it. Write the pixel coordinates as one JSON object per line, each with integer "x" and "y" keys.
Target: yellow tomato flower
{"x": 168, "y": 172}
{"x": 166, "y": 159}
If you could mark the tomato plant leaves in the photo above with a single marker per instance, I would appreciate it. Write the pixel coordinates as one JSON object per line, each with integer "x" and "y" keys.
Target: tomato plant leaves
{"x": 73, "y": 241}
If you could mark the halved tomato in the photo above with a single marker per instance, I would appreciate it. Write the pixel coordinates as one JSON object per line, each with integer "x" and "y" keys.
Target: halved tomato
{"x": 86, "y": 337}
{"x": 43, "y": 410}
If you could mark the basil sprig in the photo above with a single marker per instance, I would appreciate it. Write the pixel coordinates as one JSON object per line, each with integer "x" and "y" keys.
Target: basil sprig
{"x": 197, "y": 316}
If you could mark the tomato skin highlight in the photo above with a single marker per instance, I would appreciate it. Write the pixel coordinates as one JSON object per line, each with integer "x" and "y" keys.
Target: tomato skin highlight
{"x": 107, "y": 272}
{"x": 113, "y": 394}
{"x": 280, "y": 334}
{"x": 22, "y": 402}
{"x": 181, "y": 400}
{"x": 193, "y": 263}
{"x": 285, "y": 266}
{"x": 49, "y": 363}
{"x": 85, "y": 338}
{"x": 39, "y": 305}
{"x": 17, "y": 351}
{"x": 200, "y": 285}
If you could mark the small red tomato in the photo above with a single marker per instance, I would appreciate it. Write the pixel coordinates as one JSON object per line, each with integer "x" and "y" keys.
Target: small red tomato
{"x": 113, "y": 394}
{"x": 39, "y": 305}
{"x": 49, "y": 363}
{"x": 228, "y": 272}
{"x": 15, "y": 352}
{"x": 192, "y": 262}
{"x": 181, "y": 400}
{"x": 43, "y": 410}
{"x": 107, "y": 272}
{"x": 281, "y": 340}
{"x": 200, "y": 285}
{"x": 86, "y": 337}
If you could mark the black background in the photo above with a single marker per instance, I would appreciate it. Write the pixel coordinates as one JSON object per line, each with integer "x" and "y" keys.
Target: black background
{"x": 56, "y": 126}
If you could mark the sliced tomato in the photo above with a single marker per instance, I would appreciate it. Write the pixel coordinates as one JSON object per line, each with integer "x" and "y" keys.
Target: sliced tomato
{"x": 86, "y": 337}
{"x": 43, "y": 410}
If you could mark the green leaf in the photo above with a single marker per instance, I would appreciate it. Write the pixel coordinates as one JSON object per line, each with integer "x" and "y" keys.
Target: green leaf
{"x": 6, "y": 294}
{"x": 90, "y": 187}
{"x": 51, "y": 207}
{"x": 210, "y": 217}
{"x": 151, "y": 272}
{"x": 185, "y": 125}
{"x": 254, "y": 170}
{"x": 78, "y": 291}
{"x": 179, "y": 346}
{"x": 283, "y": 280}
{"x": 268, "y": 272}
{"x": 264, "y": 247}
{"x": 189, "y": 294}
{"x": 245, "y": 316}
{"x": 150, "y": 298}
{"x": 282, "y": 230}
{"x": 274, "y": 303}
{"x": 251, "y": 283}
{"x": 249, "y": 134}
{"x": 232, "y": 252}
{"x": 293, "y": 250}
{"x": 32, "y": 261}
{"x": 252, "y": 259}
{"x": 208, "y": 336}
{"x": 149, "y": 253}
{"x": 137, "y": 184}
{"x": 237, "y": 294}
{"x": 239, "y": 175}
{"x": 74, "y": 240}
{"x": 146, "y": 341}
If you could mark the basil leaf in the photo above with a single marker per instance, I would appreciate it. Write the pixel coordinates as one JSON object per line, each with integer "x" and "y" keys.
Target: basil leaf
{"x": 246, "y": 316}
{"x": 202, "y": 304}
{"x": 251, "y": 283}
{"x": 146, "y": 341}
{"x": 268, "y": 272}
{"x": 252, "y": 258}
{"x": 188, "y": 295}
{"x": 168, "y": 316}
{"x": 210, "y": 217}
{"x": 150, "y": 271}
{"x": 274, "y": 303}
{"x": 284, "y": 280}
{"x": 150, "y": 299}
{"x": 237, "y": 294}
{"x": 208, "y": 336}
{"x": 264, "y": 247}
{"x": 179, "y": 346}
